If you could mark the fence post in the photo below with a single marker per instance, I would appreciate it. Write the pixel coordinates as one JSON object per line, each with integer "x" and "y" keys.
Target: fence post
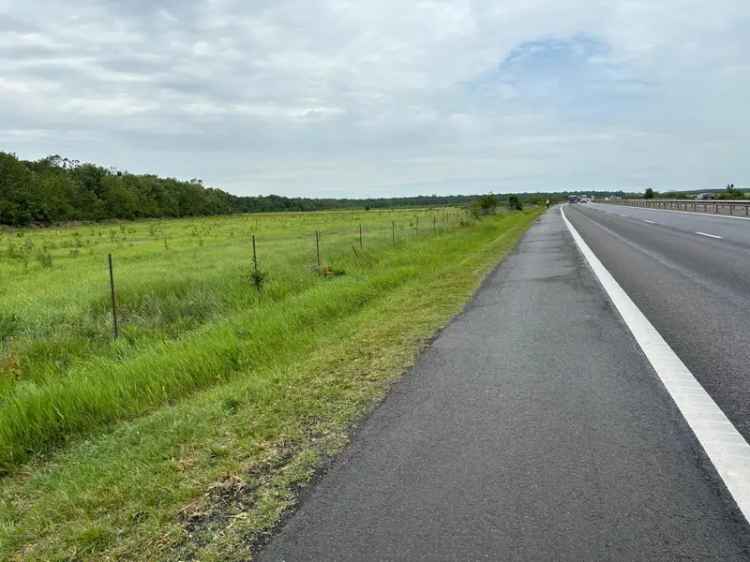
{"x": 115, "y": 329}
{"x": 393, "y": 228}
{"x": 416, "y": 226}
{"x": 361, "y": 243}
{"x": 434, "y": 224}
{"x": 257, "y": 280}
{"x": 317, "y": 246}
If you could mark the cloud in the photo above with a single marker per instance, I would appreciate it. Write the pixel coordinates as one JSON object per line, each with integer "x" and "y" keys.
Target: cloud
{"x": 379, "y": 98}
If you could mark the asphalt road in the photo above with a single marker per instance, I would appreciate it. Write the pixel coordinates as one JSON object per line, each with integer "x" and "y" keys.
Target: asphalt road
{"x": 532, "y": 429}
{"x": 735, "y": 230}
{"x": 694, "y": 289}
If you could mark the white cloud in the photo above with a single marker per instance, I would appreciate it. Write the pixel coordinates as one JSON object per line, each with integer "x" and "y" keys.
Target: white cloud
{"x": 367, "y": 98}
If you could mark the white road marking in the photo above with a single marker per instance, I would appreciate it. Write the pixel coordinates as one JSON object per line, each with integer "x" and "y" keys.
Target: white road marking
{"x": 709, "y": 235}
{"x": 727, "y": 449}
{"x": 649, "y": 222}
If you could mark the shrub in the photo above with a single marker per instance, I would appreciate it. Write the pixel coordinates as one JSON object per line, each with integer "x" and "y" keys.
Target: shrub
{"x": 258, "y": 278}
{"x": 514, "y": 203}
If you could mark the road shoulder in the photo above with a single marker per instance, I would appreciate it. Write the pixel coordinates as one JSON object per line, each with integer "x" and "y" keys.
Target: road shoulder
{"x": 532, "y": 428}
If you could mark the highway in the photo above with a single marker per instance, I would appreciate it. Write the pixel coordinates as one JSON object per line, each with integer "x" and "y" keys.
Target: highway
{"x": 535, "y": 428}
{"x": 690, "y": 275}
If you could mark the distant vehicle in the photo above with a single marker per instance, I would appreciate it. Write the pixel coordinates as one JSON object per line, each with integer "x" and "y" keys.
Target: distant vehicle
{"x": 573, "y": 199}
{"x": 704, "y": 196}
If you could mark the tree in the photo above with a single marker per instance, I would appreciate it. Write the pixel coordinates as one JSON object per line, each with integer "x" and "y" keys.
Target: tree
{"x": 57, "y": 188}
{"x": 731, "y": 193}
{"x": 514, "y": 203}
{"x": 483, "y": 205}
{"x": 14, "y": 197}
{"x": 488, "y": 203}
{"x": 649, "y": 194}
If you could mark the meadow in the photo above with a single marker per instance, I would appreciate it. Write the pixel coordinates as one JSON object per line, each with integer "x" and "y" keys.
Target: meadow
{"x": 218, "y": 377}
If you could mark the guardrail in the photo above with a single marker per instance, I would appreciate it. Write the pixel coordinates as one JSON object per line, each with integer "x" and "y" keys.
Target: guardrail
{"x": 716, "y": 207}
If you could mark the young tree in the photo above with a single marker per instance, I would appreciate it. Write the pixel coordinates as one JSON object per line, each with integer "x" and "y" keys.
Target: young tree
{"x": 649, "y": 194}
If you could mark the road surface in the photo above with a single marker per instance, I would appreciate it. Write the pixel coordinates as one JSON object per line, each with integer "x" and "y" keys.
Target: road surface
{"x": 690, "y": 275}
{"x": 533, "y": 428}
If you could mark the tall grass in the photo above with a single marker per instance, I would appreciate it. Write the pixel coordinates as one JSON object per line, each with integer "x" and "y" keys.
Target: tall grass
{"x": 190, "y": 315}
{"x": 172, "y": 277}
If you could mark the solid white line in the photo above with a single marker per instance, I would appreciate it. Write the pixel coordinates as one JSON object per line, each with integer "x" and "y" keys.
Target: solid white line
{"x": 649, "y": 222}
{"x": 709, "y": 235}
{"x": 727, "y": 449}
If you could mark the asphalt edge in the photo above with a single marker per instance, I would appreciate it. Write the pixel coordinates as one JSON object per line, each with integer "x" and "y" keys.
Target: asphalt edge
{"x": 305, "y": 491}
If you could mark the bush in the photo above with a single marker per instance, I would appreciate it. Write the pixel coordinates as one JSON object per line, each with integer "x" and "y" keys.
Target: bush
{"x": 514, "y": 203}
{"x": 731, "y": 193}
{"x": 484, "y": 205}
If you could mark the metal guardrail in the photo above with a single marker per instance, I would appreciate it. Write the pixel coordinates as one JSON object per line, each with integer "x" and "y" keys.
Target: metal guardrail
{"x": 712, "y": 206}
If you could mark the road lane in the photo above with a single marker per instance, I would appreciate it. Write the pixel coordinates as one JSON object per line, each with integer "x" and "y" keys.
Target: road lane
{"x": 695, "y": 289}
{"x": 728, "y": 450}
{"x": 531, "y": 429}
{"x": 734, "y": 230}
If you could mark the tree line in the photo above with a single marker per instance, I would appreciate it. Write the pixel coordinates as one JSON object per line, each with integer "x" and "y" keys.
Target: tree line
{"x": 56, "y": 189}
{"x": 730, "y": 192}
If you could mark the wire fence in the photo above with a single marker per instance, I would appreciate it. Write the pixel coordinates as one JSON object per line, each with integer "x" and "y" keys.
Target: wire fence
{"x": 314, "y": 251}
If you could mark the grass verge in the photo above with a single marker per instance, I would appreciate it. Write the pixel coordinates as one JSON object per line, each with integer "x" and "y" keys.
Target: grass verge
{"x": 206, "y": 477}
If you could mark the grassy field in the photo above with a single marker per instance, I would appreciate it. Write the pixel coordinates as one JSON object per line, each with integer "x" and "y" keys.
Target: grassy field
{"x": 188, "y": 437}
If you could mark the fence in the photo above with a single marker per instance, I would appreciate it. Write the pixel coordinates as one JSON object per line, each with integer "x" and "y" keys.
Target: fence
{"x": 716, "y": 207}
{"x": 353, "y": 239}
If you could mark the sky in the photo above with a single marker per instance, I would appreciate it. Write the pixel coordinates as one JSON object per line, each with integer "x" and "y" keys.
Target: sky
{"x": 336, "y": 98}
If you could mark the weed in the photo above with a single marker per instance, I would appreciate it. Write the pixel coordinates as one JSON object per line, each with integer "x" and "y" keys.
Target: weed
{"x": 44, "y": 259}
{"x": 9, "y": 325}
{"x": 258, "y": 278}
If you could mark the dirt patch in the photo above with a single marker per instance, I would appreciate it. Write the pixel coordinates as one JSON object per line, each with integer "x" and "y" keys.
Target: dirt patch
{"x": 231, "y": 498}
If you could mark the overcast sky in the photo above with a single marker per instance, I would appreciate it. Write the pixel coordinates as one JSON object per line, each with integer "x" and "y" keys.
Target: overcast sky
{"x": 387, "y": 97}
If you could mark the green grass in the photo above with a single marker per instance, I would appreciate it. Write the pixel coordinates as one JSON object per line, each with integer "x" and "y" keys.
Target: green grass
{"x": 188, "y": 313}
{"x": 172, "y": 276}
{"x": 188, "y": 437}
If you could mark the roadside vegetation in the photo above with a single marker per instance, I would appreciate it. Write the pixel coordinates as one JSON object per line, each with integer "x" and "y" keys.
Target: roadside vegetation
{"x": 56, "y": 189}
{"x": 729, "y": 193}
{"x": 189, "y": 436}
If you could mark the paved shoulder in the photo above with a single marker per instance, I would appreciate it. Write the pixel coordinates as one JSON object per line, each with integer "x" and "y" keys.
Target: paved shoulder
{"x": 532, "y": 429}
